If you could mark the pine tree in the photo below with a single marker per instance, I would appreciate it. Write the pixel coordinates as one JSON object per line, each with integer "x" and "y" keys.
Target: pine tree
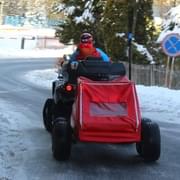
{"x": 36, "y": 13}
{"x": 115, "y": 28}
{"x": 144, "y": 32}
{"x": 107, "y": 20}
{"x": 144, "y": 28}
{"x": 82, "y": 16}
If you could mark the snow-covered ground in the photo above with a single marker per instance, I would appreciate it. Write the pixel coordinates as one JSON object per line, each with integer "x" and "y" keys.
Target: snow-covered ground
{"x": 11, "y": 40}
{"x": 35, "y": 53}
{"x": 160, "y": 104}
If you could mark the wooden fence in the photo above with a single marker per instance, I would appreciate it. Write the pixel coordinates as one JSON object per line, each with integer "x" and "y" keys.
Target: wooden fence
{"x": 153, "y": 75}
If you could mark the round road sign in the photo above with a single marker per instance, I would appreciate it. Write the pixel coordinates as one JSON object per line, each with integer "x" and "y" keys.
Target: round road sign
{"x": 171, "y": 45}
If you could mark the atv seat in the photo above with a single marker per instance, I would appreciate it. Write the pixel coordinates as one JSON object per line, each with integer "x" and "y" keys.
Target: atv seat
{"x": 97, "y": 67}
{"x": 96, "y": 70}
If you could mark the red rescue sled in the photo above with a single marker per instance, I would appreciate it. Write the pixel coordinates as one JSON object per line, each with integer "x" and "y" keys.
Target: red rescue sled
{"x": 106, "y": 111}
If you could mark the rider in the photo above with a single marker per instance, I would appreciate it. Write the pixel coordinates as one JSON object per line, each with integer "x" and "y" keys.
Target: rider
{"x": 86, "y": 49}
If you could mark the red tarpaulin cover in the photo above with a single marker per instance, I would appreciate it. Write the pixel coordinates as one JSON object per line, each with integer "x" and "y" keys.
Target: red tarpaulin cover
{"x": 106, "y": 111}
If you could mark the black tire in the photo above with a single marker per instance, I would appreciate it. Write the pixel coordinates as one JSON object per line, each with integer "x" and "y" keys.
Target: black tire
{"x": 62, "y": 110}
{"x": 139, "y": 144}
{"x": 150, "y": 146}
{"x": 53, "y": 87}
{"x": 61, "y": 139}
{"x": 48, "y": 114}
{"x": 139, "y": 148}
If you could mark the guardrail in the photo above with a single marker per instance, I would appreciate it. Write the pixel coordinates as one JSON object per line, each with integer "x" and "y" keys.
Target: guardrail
{"x": 153, "y": 75}
{"x": 30, "y": 42}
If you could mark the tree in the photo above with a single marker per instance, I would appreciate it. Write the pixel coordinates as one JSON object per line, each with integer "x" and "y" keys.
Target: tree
{"x": 11, "y": 7}
{"x": 115, "y": 28}
{"x": 107, "y": 20}
{"x": 162, "y": 6}
{"x": 145, "y": 25}
{"x": 81, "y": 16}
{"x": 144, "y": 32}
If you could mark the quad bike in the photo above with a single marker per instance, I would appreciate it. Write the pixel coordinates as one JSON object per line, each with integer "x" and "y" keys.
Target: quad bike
{"x": 94, "y": 101}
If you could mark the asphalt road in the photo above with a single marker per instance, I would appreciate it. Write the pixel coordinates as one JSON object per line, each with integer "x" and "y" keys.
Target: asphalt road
{"x": 88, "y": 161}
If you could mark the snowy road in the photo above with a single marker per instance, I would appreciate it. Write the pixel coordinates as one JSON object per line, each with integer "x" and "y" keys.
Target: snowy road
{"x": 25, "y": 147}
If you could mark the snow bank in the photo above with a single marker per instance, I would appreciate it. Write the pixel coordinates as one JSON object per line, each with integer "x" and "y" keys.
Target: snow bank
{"x": 35, "y": 53}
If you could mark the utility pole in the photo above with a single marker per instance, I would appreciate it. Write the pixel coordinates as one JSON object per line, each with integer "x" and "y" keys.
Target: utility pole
{"x": 132, "y": 18}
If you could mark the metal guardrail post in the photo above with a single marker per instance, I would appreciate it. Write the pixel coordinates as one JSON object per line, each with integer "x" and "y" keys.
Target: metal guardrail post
{"x": 22, "y": 42}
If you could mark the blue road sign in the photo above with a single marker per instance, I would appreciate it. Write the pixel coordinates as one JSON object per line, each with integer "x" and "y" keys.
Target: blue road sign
{"x": 171, "y": 45}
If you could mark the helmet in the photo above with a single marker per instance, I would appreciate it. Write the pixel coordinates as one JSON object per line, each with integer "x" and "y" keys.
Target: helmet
{"x": 86, "y": 38}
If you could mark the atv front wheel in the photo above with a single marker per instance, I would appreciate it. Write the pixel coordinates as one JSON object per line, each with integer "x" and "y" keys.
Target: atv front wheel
{"x": 48, "y": 114}
{"x": 61, "y": 139}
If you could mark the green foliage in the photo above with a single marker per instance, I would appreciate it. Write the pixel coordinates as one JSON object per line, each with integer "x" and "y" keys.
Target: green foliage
{"x": 110, "y": 26}
{"x": 71, "y": 30}
{"x": 144, "y": 27}
{"x": 114, "y": 23}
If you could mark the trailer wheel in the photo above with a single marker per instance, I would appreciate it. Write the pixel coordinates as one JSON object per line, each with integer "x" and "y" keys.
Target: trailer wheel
{"x": 150, "y": 146}
{"x": 61, "y": 139}
{"x": 139, "y": 144}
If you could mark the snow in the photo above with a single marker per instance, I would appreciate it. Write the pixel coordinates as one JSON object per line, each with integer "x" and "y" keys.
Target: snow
{"x": 11, "y": 135}
{"x": 120, "y": 35}
{"x": 86, "y": 15}
{"x": 144, "y": 51}
{"x": 42, "y": 78}
{"x": 160, "y": 104}
{"x": 8, "y": 31}
{"x": 66, "y": 10}
{"x": 35, "y": 53}
{"x": 11, "y": 37}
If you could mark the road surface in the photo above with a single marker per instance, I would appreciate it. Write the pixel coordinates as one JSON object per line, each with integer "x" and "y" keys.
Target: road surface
{"x": 25, "y": 146}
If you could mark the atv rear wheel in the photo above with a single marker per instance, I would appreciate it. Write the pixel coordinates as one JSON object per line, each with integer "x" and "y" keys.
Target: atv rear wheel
{"x": 61, "y": 139}
{"x": 48, "y": 114}
{"x": 150, "y": 146}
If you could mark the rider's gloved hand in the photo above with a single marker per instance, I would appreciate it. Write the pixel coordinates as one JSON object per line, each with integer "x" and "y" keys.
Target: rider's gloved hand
{"x": 74, "y": 65}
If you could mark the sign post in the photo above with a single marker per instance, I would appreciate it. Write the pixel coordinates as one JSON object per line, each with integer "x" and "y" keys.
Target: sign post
{"x": 171, "y": 72}
{"x": 130, "y": 52}
{"x": 167, "y": 71}
{"x": 171, "y": 47}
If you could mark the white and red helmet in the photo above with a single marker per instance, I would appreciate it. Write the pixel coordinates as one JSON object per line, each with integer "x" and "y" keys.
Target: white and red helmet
{"x": 86, "y": 38}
